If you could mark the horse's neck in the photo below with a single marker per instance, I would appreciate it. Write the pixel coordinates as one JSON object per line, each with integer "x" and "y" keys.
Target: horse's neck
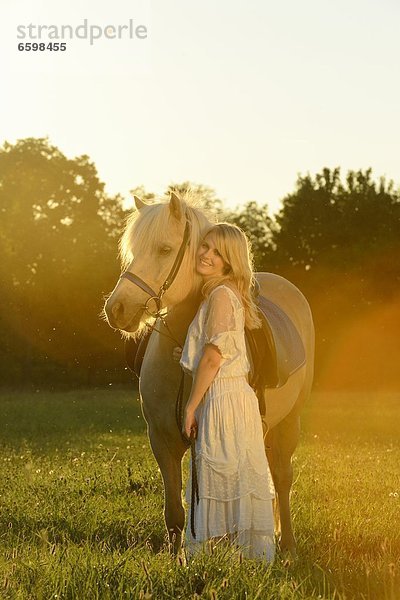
{"x": 181, "y": 315}
{"x": 187, "y": 284}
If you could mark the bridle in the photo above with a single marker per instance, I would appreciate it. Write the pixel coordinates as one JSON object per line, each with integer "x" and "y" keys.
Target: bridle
{"x": 153, "y": 296}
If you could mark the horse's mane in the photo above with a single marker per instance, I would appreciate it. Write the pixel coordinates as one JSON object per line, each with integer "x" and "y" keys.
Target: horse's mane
{"x": 145, "y": 228}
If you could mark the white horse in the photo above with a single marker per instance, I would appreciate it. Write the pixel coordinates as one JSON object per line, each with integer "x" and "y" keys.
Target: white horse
{"x": 152, "y": 239}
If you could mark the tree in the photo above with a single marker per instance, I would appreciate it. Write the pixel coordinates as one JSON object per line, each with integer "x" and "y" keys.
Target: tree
{"x": 337, "y": 240}
{"x": 58, "y": 252}
{"x": 259, "y": 227}
{"x": 327, "y": 222}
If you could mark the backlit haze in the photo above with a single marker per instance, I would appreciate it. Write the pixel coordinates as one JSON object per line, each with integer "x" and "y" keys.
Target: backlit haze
{"x": 239, "y": 96}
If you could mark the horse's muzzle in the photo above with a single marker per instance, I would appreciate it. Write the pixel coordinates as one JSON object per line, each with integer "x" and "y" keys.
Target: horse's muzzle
{"x": 118, "y": 319}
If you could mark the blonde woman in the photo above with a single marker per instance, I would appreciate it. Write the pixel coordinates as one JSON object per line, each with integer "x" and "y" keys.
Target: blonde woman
{"x": 235, "y": 488}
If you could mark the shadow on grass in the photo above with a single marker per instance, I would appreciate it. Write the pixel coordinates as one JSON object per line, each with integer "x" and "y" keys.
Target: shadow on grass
{"x": 118, "y": 535}
{"x": 43, "y": 418}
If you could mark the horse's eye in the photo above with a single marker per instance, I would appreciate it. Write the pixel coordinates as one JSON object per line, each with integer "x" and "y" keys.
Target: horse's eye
{"x": 164, "y": 250}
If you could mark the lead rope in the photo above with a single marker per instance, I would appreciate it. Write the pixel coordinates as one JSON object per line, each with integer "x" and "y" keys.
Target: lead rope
{"x": 179, "y": 409}
{"x": 192, "y": 442}
{"x": 195, "y": 486}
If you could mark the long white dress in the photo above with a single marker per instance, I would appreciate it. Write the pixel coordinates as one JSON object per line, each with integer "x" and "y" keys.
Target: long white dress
{"x": 234, "y": 480}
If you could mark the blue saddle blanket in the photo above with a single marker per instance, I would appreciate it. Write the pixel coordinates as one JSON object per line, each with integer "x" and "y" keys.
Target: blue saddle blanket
{"x": 286, "y": 353}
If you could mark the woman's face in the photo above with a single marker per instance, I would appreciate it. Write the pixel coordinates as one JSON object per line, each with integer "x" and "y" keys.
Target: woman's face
{"x": 209, "y": 262}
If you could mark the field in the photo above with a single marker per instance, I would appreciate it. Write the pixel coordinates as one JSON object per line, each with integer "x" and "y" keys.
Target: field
{"x": 81, "y": 505}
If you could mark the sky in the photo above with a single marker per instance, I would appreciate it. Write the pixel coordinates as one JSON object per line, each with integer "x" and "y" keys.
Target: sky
{"x": 241, "y": 96}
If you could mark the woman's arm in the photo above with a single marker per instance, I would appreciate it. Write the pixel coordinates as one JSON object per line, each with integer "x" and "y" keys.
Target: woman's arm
{"x": 207, "y": 369}
{"x": 220, "y": 319}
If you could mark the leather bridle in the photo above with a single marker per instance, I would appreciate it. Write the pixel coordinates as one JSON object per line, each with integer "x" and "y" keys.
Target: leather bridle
{"x": 153, "y": 296}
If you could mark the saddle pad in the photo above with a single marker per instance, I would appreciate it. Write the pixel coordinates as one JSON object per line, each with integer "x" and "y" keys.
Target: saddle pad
{"x": 286, "y": 347}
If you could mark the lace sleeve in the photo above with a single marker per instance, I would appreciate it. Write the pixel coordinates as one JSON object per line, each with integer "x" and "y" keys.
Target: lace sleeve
{"x": 220, "y": 322}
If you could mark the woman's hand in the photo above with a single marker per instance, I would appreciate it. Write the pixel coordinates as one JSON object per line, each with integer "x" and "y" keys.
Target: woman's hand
{"x": 190, "y": 425}
{"x": 206, "y": 371}
{"x": 177, "y": 353}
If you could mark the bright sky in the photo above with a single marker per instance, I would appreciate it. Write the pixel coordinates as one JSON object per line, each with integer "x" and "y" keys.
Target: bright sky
{"x": 237, "y": 95}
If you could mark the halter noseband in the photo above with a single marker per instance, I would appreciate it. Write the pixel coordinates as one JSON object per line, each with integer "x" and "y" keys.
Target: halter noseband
{"x": 153, "y": 296}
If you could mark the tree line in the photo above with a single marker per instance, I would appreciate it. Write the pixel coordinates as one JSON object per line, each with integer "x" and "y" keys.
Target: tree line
{"x": 336, "y": 236}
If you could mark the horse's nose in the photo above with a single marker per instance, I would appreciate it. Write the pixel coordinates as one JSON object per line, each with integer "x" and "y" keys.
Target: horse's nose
{"x": 114, "y": 312}
{"x": 117, "y": 309}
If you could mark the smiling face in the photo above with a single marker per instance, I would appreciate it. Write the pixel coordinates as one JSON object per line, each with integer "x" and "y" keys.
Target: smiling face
{"x": 209, "y": 262}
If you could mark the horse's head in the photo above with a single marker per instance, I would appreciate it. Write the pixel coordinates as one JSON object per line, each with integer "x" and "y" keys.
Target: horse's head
{"x": 149, "y": 246}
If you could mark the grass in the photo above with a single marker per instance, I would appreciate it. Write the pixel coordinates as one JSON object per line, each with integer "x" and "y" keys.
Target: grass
{"x": 81, "y": 505}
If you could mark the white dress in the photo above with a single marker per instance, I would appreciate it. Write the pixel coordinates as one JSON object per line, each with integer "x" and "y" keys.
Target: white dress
{"x": 234, "y": 480}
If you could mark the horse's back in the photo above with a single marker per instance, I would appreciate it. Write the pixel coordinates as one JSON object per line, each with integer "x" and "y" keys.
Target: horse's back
{"x": 283, "y": 400}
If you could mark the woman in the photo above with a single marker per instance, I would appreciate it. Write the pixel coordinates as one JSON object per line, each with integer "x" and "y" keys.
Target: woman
{"x": 235, "y": 487}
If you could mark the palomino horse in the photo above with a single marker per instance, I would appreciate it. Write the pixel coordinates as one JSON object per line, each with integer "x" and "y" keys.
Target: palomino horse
{"x": 158, "y": 251}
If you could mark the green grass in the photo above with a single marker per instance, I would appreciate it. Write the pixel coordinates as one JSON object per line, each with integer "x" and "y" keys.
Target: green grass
{"x": 81, "y": 505}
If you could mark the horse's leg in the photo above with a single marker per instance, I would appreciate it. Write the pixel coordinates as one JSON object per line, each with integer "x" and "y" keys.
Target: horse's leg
{"x": 281, "y": 443}
{"x": 169, "y": 459}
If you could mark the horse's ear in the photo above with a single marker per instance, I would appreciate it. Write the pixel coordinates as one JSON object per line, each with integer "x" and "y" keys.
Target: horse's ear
{"x": 138, "y": 202}
{"x": 175, "y": 206}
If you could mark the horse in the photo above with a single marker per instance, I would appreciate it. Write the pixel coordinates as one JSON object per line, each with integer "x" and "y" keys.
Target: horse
{"x": 158, "y": 249}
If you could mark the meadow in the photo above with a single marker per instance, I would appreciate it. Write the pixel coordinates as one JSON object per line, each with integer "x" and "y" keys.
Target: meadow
{"x": 81, "y": 505}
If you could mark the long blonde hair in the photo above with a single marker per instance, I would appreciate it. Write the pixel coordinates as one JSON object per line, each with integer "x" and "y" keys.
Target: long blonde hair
{"x": 234, "y": 248}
